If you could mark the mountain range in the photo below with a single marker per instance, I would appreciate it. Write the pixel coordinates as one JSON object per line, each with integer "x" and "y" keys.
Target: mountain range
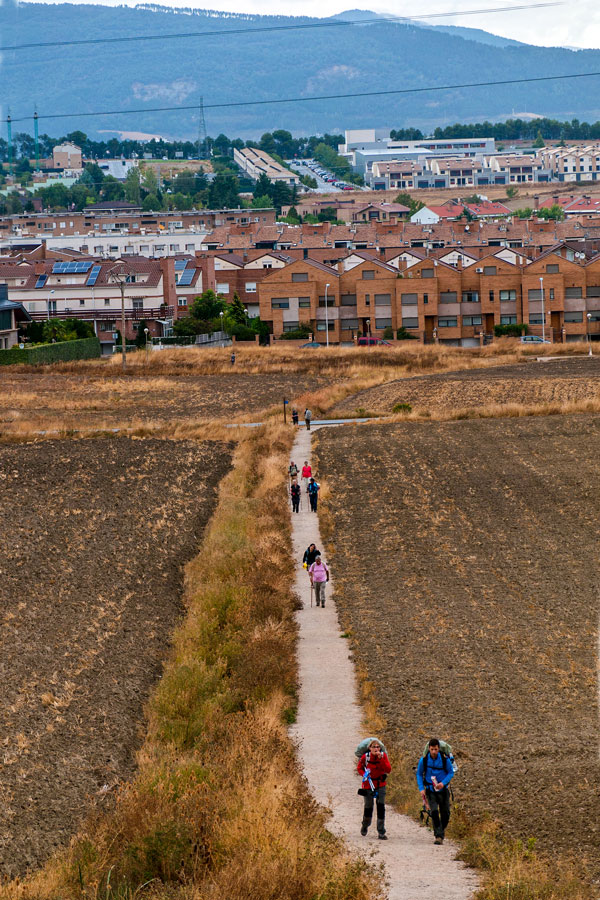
{"x": 241, "y": 65}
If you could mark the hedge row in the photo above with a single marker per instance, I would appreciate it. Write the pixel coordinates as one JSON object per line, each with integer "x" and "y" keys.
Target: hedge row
{"x": 87, "y": 348}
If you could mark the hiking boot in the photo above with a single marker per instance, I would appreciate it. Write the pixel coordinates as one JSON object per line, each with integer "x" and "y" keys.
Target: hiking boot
{"x": 363, "y": 829}
{"x": 382, "y": 837}
{"x": 439, "y": 840}
{"x": 318, "y": 604}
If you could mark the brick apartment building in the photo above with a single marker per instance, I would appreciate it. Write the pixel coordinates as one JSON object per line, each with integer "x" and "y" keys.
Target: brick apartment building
{"x": 436, "y": 300}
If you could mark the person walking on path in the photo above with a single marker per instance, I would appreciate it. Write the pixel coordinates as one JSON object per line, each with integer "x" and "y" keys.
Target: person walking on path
{"x": 307, "y": 418}
{"x": 313, "y": 494}
{"x": 294, "y": 416}
{"x": 374, "y": 766}
{"x": 233, "y": 358}
{"x": 306, "y": 474}
{"x": 319, "y": 576}
{"x": 293, "y": 470}
{"x": 434, "y": 773}
{"x": 295, "y": 493}
{"x": 310, "y": 554}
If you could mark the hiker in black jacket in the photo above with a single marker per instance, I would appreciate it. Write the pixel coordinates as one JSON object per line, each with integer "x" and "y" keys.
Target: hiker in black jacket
{"x": 310, "y": 554}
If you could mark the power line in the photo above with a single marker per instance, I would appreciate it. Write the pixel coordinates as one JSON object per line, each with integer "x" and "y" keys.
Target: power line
{"x": 271, "y": 28}
{"x": 237, "y": 103}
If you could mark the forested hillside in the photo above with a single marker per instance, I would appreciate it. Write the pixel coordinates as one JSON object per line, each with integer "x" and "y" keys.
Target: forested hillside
{"x": 238, "y": 66}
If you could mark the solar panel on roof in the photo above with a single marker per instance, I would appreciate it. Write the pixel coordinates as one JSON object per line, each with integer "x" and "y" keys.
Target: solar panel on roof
{"x": 61, "y": 268}
{"x": 41, "y": 281}
{"x": 180, "y": 264}
{"x": 93, "y": 276}
{"x": 186, "y": 277}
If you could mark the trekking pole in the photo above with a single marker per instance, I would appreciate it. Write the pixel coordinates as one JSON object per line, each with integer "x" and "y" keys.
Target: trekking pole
{"x": 311, "y": 593}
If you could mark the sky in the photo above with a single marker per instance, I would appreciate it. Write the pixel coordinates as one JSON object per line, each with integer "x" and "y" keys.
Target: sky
{"x": 574, "y": 23}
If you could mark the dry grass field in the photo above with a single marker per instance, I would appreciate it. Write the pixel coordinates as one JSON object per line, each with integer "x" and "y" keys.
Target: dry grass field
{"x": 94, "y": 535}
{"x": 465, "y": 559}
{"x": 568, "y": 380}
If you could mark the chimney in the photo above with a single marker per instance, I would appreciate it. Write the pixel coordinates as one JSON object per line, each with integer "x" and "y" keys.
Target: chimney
{"x": 555, "y": 199}
{"x": 536, "y": 202}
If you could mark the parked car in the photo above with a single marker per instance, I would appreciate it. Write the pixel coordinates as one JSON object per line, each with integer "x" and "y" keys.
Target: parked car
{"x": 310, "y": 344}
{"x": 533, "y": 339}
{"x": 348, "y": 187}
{"x": 372, "y": 341}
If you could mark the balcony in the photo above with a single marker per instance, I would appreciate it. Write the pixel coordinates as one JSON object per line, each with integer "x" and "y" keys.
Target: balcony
{"x": 156, "y": 312}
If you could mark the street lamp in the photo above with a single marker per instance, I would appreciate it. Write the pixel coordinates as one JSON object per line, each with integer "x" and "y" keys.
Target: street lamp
{"x": 326, "y": 318}
{"x": 48, "y": 305}
{"x": 589, "y": 319}
{"x": 146, "y": 333}
{"x": 221, "y": 315}
{"x": 246, "y": 314}
{"x": 543, "y": 310}
{"x": 368, "y": 324}
{"x": 119, "y": 275}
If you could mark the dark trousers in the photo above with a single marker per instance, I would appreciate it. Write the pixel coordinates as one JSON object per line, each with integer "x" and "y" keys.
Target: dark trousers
{"x": 295, "y": 503}
{"x": 379, "y": 801}
{"x": 439, "y": 804}
{"x": 307, "y": 421}
{"x": 313, "y": 501}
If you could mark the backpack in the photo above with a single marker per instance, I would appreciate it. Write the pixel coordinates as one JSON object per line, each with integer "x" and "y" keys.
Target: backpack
{"x": 364, "y": 746}
{"x": 446, "y": 754}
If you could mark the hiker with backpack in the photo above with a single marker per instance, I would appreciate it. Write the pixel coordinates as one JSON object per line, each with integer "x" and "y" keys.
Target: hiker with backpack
{"x": 293, "y": 470}
{"x": 374, "y": 766}
{"x": 307, "y": 418}
{"x": 313, "y": 494}
{"x": 306, "y": 473}
{"x": 434, "y": 773}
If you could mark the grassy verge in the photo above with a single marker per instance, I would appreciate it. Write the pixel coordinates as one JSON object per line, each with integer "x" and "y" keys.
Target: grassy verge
{"x": 219, "y": 808}
{"x": 509, "y": 868}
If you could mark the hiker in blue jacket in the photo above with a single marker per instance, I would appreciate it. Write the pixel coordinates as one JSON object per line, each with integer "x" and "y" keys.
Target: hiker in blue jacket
{"x": 434, "y": 773}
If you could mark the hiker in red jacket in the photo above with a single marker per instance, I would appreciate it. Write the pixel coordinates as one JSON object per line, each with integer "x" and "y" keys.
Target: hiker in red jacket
{"x": 306, "y": 474}
{"x": 374, "y": 766}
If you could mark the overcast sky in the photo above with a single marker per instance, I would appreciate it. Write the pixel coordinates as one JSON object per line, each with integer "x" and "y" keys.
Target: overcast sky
{"x": 575, "y": 23}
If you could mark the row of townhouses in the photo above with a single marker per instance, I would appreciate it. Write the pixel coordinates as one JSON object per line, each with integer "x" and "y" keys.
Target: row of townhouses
{"x": 453, "y": 295}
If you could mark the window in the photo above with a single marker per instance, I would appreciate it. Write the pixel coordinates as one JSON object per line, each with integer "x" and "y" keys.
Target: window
{"x": 508, "y": 320}
{"x": 348, "y": 300}
{"x": 449, "y": 322}
{"x": 190, "y": 247}
{"x": 280, "y": 303}
{"x": 491, "y": 296}
{"x": 489, "y": 270}
{"x": 425, "y": 298}
{"x": 222, "y": 287}
{"x": 304, "y": 302}
{"x": 290, "y": 326}
{"x": 410, "y": 322}
{"x": 536, "y": 319}
{"x": 426, "y": 273}
{"x": 321, "y": 326}
{"x": 5, "y": 320}
{"x": 98, "y": 250}
{"x": 330, "y": 300}
{"x": 349, "y": 324}
{"x": 383, "y": 299}
{"x": 595, "y": 315}
{"x": 551, "y": 292}
{"x": 409, "y": 299}
{"x": 82, "y": 302}
{"x": 534, "y": 294}
{"x": 182, "y": 301}
{"x": 573, "y": 293}
{"x": 573, "y": 317}
{"x": 552, "y": 268}
{"x": 298, "y": 276}
{"x": 383, "y": 323}
{"x": 471, "y": 320}
{"x": 508, "y": 295}
{"x": 106, "y": 301}
{"x": 470, "y": 296}
{"x": 173, "y": 248}
{"x": 145, "y": 248}
{"x": 368, "y": 274}
{"x": 250, "y": 287}
{"x": 367, "y": 299}
{"x": 593, "y": 290}
{"x": 448, "y": 297}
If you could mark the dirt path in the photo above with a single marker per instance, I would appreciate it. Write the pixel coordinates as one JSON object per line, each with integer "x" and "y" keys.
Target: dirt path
{"x": 328, "y": 729}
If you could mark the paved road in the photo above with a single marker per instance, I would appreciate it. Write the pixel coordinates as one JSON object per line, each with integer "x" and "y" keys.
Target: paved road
{"x": 322, "y": 185}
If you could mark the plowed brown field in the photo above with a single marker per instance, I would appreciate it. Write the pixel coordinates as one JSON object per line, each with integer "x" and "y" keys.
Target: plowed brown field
{"x": 528, "y": 383}
{"x": 465, "y": 560}
{"x": 94, "y": 535}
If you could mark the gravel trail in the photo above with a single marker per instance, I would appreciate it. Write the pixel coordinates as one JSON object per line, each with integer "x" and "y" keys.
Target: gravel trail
{"x": 329, "y": 727}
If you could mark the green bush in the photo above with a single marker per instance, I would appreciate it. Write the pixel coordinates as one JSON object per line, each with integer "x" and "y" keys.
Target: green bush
{"x": 511, "y": 330}
{"x": 402, "y": 407}
{"x": 303, "y": 331}
{"x": 388, "y": 333}
{"x": 403, "y": 335}
{"x": 42, "y": 354}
